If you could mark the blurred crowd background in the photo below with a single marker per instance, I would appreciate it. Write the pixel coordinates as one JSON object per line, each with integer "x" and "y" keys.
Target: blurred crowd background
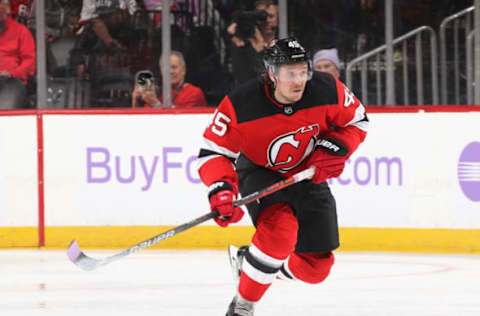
{"x": 107, "y": 53}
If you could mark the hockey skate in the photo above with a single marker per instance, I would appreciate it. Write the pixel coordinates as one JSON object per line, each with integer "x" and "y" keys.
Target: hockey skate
{"x": 240, "y": 307}
{"x": 236, "y": 256}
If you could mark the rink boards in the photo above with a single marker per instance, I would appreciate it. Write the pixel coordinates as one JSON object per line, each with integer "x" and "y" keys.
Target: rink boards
{"x": 114, "y": 178}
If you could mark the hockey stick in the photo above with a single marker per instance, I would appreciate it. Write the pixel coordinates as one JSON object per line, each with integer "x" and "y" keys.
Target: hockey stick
{"x": 76, "y": 255}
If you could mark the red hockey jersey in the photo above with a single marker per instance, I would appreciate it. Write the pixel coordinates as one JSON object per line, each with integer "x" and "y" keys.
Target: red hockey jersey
{"x": 277, "y": 136}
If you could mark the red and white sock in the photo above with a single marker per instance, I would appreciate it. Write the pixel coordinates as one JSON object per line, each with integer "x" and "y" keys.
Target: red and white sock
{"x": 273, "y": 241}
{"x": 258, "y": 272}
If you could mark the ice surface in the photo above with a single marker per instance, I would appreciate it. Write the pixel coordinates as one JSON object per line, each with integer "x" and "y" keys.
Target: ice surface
{"x": 200, "y": 283}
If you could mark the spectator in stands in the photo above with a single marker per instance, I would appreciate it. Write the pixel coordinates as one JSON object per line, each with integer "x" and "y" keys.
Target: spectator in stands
{"x": 184, "y": 94}
{"x": 326, "y": 60}
{"x": 61, "y": 20}
{"x": 107, "y": 18}
{"x": 184, "y": 12}
{"x": 17, "y": 59}
{"x": 61, "y": 17}
{"x": 250, "y": 34}
{"x": 101, "y": 56}
{"x": 269, "y": 28}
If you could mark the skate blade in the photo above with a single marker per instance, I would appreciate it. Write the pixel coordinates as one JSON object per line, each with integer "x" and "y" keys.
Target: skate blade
{"x": 234, "y": 264}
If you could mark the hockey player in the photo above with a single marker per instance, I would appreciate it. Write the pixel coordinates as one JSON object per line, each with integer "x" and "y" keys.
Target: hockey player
{"x": 269, "y": 129}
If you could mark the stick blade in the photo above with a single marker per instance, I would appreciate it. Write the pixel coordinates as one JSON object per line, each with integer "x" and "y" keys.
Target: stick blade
{"x": 76, "y": 255}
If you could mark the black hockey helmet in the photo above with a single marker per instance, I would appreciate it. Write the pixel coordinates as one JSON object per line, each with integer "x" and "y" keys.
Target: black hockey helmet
{"x": 286, "y": 51}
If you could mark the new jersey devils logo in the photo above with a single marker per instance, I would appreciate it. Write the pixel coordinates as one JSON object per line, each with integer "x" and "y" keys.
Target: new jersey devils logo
{"x": 288, "y": 151}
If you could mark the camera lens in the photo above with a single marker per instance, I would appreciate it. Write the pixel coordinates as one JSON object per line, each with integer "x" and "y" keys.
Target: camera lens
{"x": 144, "y": 78}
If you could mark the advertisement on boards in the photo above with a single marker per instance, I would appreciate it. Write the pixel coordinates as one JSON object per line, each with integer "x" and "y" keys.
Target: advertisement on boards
{"x": 123, "y": 169}
{"x": 415, "y": 170}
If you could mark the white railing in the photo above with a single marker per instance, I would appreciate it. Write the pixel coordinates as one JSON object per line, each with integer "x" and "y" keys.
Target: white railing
{"x": 361, "y": 63}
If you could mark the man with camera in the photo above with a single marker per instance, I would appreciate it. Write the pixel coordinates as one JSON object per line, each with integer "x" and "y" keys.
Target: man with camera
{"x": 184, "y": 94}
{"x": 250, "y": 33}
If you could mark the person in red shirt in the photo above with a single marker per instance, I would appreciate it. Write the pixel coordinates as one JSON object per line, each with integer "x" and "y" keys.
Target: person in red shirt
{"x": 184, "y": 94}
{"x": 17, "y": 59}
